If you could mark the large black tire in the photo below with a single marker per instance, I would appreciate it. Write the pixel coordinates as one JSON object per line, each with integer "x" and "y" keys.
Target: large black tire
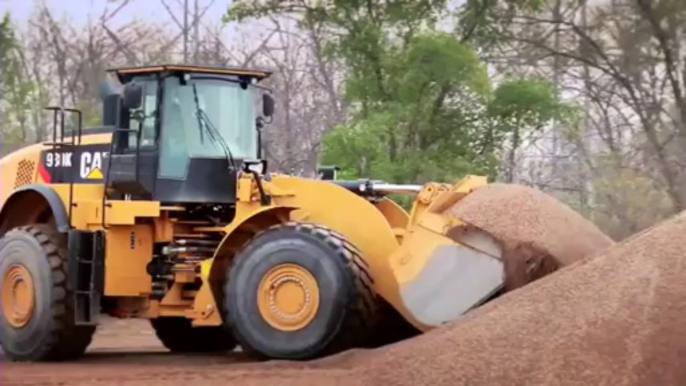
{"x": 50, "y": 334}
{"x": 347, "y": 301}
{"x": 179, "y": 336}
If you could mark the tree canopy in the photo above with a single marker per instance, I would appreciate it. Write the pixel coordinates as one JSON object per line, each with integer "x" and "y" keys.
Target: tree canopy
{"x": 422, "y": 102}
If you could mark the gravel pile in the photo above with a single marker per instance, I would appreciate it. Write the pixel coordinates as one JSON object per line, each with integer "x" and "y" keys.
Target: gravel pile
{"x": 538, "y": 233}
{"x": 616, "y": 319}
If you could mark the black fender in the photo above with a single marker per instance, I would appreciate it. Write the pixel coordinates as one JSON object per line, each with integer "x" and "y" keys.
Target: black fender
{"x": 59, "y": 212}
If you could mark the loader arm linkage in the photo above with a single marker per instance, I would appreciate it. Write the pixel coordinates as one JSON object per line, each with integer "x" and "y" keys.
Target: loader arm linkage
{"x": 369, "y": 188}
{"x": 440, "y": 267}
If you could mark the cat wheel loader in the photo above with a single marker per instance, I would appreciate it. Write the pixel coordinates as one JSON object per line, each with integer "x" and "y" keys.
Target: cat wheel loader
{"x": 167, "y": 212}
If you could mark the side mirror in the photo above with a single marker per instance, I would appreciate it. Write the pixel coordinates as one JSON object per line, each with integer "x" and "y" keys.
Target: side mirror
{"x": 267, "y": 105}
{"x": 133, "y": 96}
{"x": 110, "y": 110}
{"x": 329, "y": 173}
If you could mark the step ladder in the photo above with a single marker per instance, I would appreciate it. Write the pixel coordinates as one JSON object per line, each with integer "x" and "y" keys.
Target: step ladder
{"x": 86, "y": 274}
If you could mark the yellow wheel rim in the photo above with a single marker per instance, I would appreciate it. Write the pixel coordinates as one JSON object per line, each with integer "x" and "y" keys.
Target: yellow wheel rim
{"x": 17, "y": 296}
{"x": 288, "y": 297}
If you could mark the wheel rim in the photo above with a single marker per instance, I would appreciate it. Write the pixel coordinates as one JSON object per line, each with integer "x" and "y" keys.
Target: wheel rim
{"x": 288, "y": 297}
{"x": 17, "y": 296}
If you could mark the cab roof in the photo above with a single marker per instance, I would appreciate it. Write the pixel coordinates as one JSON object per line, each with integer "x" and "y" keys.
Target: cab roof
{"x": 126, "y": 72}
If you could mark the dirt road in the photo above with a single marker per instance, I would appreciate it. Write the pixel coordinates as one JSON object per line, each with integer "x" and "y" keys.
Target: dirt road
{"x": 127, "y": 353}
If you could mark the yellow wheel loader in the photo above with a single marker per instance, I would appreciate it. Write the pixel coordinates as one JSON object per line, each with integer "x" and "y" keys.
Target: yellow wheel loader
{"x": 167, "y": 212}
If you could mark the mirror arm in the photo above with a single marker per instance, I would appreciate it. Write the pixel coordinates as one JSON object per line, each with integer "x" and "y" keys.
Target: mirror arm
{"x": 264, "y": 88}
{"x": 259, "y": 123}
{"x": 259, "y": 143}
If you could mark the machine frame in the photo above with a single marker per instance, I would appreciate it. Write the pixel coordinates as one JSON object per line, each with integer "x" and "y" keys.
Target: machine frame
{"x": 131, "y": 244}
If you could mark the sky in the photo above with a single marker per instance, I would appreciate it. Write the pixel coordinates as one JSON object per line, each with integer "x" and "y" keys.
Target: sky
{"x": 80, "y": 10}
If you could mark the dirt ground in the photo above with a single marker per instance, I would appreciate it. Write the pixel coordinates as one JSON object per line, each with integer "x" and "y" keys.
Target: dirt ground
{"x": 127, "y": 353}
{"x": 570, "y": 328}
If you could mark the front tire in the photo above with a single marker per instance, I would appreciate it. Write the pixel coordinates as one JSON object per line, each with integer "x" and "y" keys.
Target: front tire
{"x": 37, "y": 318}
{"x": 299, "y": 291}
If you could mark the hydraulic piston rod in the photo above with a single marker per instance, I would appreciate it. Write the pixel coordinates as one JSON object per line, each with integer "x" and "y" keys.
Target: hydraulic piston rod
{"x": 383, "y": 187}
{"x": 369, "y": 188}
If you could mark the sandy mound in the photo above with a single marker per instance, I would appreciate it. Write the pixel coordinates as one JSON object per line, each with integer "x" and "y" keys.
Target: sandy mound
{"x": 616, "y": 319}
{"x": 538, "y": 233}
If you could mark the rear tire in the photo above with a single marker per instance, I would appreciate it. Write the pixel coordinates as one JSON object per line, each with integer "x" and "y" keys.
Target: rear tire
{"x": 390, "y": 327}
{"x": 345, "y": 300}
{"x": 48, "y": 331}
{"x": 179, "y": 336}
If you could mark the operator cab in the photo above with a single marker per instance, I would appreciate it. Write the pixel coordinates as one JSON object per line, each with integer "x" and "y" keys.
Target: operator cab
{"x": 183, "y": 132}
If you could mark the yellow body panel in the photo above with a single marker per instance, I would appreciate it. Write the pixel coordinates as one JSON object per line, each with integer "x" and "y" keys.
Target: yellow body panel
{"x": 407, "y": 261}
{"x": 174, "y": 304}
{"x": 126, "y": 212}
{"x": 327, "y": 204}
{"x": 205, "y": 310}
{"x": 91, "y": 139}
{"x": 359, "y": 221}
{"x": 125, "y": 273}
{"x": 128, "y": 251}
{"x": 396, "y": 216}
{"x": 26, "y": 158}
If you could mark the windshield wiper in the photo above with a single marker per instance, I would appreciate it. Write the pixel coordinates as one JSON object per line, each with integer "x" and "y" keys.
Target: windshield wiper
{"x": 216, "y": 136}
{"x": 197, "y": 113}
{"x": 212, "y": 131}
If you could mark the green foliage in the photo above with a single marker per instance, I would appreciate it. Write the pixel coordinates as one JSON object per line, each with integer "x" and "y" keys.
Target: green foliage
{"x": 242, "y": 9}
{"x": 21, "y": 95}
{"x": 439, "y": 60}
{"x": 356, "y": 148}
{"x": 528, "y": 104}
{"x": 521, "y": 106}
{"x": 416, "y": 94}
{"x": 427, "y": 125}
{"x": 7, "y": 41}
{"x": 422, "y": 106}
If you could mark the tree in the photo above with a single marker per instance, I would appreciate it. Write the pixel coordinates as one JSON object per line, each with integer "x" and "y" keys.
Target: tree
{"x": 522, "y": 106}
{"x": 7, "y": 45}
{"x": 418, "y": 99}
{"x": 21, "y": 95}
{"x": 430, "y": 121}
{"x": 623, "y": 59}
{"x": 413, "y": 89}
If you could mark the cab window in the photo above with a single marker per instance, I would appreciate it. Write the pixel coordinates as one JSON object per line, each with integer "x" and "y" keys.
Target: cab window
{"x": 146, "y": 122}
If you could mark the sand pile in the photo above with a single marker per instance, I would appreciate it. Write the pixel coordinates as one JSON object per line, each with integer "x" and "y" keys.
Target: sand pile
{"x": 616, "y": 319}
{"x": 538, "y": 233}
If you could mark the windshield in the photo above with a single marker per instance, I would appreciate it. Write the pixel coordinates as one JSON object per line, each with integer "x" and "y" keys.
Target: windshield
{"x": 227, "y": 107}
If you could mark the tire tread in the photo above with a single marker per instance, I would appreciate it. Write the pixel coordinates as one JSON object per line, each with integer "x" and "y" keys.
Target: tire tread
{"x": 65, "y": 340}
{"x": 361, "y": 314}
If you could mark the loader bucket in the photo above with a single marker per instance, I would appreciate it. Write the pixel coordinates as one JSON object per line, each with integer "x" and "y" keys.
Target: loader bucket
{"x": 445, "y": 267}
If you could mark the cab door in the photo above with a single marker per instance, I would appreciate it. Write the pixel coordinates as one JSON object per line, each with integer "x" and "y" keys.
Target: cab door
{"x": 136, "y": 146}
